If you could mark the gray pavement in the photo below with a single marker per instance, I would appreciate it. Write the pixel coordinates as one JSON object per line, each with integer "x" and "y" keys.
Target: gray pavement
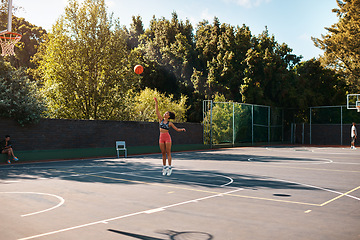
{"x": 236, "y": 193}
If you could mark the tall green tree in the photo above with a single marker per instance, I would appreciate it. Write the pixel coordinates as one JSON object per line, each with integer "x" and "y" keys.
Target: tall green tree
{"x": 135, "y": 32}
{"x": 222, "y": 50}
{"x": 317, "y": 86}
{"x": 32, "y": 37}
{"x": 85, "y": 66}
{"x": 167, "y": 48}
{"x": 269, "y": 78}
{"x": 341, "y": 44}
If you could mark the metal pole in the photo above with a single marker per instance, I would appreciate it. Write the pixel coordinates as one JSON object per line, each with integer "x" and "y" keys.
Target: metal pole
{"x": 205, "y": 125}
{"x": 252, "y": 124}
{"x": 269, "y": 122}
{"x": 233, "y": 143}
{"x": 282, "y": 126}
{"x": 310, "y": 124}
{"x": 341, "y": 125}
{"x": 9, "y": 16}
{"x": 211, "y": 108}
{"x": 303, "y": 134}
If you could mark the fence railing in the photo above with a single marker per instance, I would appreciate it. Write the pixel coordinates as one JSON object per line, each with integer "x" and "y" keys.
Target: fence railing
{"x": 237, "y": 123}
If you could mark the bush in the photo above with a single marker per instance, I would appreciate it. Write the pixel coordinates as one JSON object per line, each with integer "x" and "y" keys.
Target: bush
{"x": 19, "y": 98}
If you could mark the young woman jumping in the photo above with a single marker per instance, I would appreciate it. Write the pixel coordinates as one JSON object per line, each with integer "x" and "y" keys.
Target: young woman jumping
{"x": 165, "y": 139}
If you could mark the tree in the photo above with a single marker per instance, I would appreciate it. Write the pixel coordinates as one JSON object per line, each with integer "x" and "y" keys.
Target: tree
{"x": 32, "y": 37}
{"x": 317, "y": 85}
{"x": 341, "y": 44}
{"x": 269, "y": 78}
{"x": 19, "y": 99}
{"x": 143, "y": 106}
{"x": 167, "y": 48}
{"x": 84, "y": 65}
{"x": 136, "y": 30}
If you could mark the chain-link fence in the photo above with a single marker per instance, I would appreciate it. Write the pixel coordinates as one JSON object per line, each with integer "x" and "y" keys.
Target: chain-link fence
{"x": 236, "y": 124}
{"x": 239, "y": 123}
{"x": 327, "y": 125}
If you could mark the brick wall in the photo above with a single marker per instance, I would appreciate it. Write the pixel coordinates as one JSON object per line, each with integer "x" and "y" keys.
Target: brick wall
{"x": 66, "y": 134}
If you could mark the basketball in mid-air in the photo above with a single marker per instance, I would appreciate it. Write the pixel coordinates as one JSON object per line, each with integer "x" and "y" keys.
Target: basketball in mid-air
{"x": 138, "y": 69}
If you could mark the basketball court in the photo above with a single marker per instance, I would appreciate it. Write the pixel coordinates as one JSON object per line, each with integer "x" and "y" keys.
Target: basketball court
{"x": 235, "y": 193}
{"x": 227, "y": 194}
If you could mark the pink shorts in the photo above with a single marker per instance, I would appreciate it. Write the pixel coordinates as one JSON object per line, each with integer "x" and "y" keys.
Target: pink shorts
{"x": 165, "y": 138}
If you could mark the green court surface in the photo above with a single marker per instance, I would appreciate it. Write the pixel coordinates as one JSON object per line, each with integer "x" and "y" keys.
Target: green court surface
{"x": 234, "y": 193}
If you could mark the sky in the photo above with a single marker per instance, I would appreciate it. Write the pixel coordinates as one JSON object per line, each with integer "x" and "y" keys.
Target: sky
{"x": 293, "y": 22}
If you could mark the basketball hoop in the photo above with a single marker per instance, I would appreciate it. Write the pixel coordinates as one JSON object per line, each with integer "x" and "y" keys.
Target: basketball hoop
{"x": 8, "y": 41}
{"x": 358, "y": 108}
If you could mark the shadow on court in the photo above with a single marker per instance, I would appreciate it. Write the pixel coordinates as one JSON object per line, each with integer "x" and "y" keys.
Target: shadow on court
{"x": 221, "y": 155}
{"x": 116, "y": 171}
{"x": 171, "y": 235}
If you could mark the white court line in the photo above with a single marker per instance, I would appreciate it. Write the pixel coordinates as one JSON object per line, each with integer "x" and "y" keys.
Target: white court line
{"x": 128, "y": 215}
{"x": 320, "y": 188}
{"x": 62, "y": 201}
{"x": 345, "y": 163}
{"x": 231, "y": 181}
{"x": 180, "y": 181}
{"x": 302, "y": 160}
{"x": 313, "y": 150}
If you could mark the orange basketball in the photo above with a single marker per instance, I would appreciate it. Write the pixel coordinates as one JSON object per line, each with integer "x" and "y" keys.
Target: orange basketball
{"x": 138, "y": 69}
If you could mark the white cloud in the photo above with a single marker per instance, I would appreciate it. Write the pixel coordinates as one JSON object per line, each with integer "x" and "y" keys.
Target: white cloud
{"x": 248, "y": 3}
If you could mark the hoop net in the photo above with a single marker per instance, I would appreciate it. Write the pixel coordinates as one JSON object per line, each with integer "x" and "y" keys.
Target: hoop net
{"x": 358, "y": 108}
{"x": 8, "y": 41}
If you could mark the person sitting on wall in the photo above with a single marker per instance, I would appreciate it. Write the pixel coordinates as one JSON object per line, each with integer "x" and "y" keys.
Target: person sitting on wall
{"x": 6, "y": 148}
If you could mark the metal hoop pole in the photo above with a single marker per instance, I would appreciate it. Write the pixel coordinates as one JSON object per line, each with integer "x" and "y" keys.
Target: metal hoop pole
{"x": 9, "y": 16}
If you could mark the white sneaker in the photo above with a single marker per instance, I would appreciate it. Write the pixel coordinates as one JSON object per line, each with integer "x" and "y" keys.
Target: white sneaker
{"x": 169, "y": 171}
{"x": 164, "y": 171}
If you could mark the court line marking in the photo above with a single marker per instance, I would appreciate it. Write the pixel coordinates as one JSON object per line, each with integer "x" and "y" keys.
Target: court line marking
{"x": 301, "y": 160}
{"x": 304, "y": 168}
{"x": 342, "y": 195}
{"x": 242, "y": 196}
{"x": 181, "y": 181}
{"x": 62, "y": 201}
{"x": 316, "y": 187}
{"x": 204, "y": 191}
{"x": 311, "y": 150}
{"x": 346, "y": 163}
{"x": 149, "y": 211}
{"x": 231, "y": 181}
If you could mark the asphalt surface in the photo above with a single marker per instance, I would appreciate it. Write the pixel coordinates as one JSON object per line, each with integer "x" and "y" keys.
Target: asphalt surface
{"x": 236, "y": 193}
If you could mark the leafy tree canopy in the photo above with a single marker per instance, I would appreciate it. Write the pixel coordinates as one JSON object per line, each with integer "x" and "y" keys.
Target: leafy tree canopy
{"x": 84, "y": 65}
{"x": 143, "y": 106}
{"x": 341, "y": 44}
